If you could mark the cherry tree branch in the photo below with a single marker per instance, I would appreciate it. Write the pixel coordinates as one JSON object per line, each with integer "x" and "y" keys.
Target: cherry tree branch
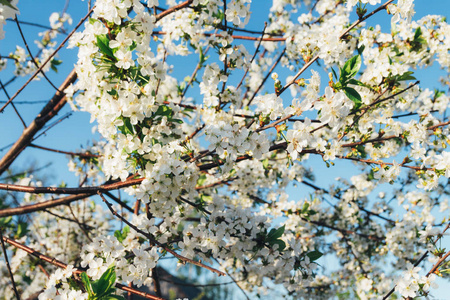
{"x": 56, "y": 190}
{"x": 173, "y": 9}
{"x": 81, "y": 155}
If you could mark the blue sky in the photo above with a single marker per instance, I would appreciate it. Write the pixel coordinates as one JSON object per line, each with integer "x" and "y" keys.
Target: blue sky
{"x": 75, "y": 130}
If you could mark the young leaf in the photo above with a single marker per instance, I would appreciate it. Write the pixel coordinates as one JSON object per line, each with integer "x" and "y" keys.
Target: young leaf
{"x": 352, "y": 66}
{"x": 353, "y": 95}
{"x": 275, "y": 233}
{"x": 103, "y": 45}
{"x": 314, "y": 255}
{"x": 87, "y": 284}
{"x": 406, "y": 76}
{"x": 106, "y": 282}
{"x": 22, "y": 229}
{"x": 334, "y": 73}
{"x": 357, "y": 82}
{"x": 281, "y": 244}
{"x": 7, "y": 3}
{"x": 201, "y": 180}
{"x": 114, "y": 297}
{"x": 5, "y": 221}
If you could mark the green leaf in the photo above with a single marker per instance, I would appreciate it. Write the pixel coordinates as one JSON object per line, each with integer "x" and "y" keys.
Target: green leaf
{"x": 275, "y": 233}
{"x": 7, "y": 3}
{"x": 121, "y": 236}
{"x": 417, "y": 33}
{"x": 54, "y": 63}
{"x": 357, "y": 82}
{"x": 106, "y": 282}
{"x": 87, "y": 284}
{"x": 103, "y": 45}
{"x": 334, "y": 73}
{"x": 361, "y": 49}
{"x": 353, "y": 95}
{"x": 5, "y": 221}
{"x": 351, "y": 67}
{"x": 164, "y": 110}
{"x": 281, "y": 244}
{"x": 129, "y": 129}
{"x": 133, "y": 46}
{"x": 390, "y": 60}
{"x": 201, "y": 180}
{"x": 22, "y": 229}
{"x": 406, "y": 76}
{"x": 118, "y": 235}
{"x": 114, "y": 297}
{"x": 418, "y": 41}
{"x": 305, "y": 207}
{"x": 314, "y": 255}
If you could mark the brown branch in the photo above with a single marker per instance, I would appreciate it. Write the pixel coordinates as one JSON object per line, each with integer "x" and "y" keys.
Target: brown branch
{"x": 56, "y": 190}
{"x": 253, "y": 57}
{"x": 267, "y": 76}
{"x": 173, "y": 9}
{"x": 81, "y": 155}
{"x": 439, "y": 262}
{"x": 81, "y": 225}
{"x": 382, "y": 139}
{"x": 338, "y": 198}
{"x": 380, "y": 163}
{"x": 21, "y": 210}
{"x": 344, "y": 231}
{"x": 39, "y": 25}
{"x": 365, "y": 109}
{"x": 47, "y": 113}
{"x": 55, "y": 202}
{"x": 194, "y": 74}
{"x": 236, "y": 37}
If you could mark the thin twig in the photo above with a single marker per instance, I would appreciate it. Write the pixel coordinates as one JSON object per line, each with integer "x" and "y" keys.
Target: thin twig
{"x": 173, "y": 9}
{"x": 11, "y": 275}
{"x": 267, "y": 76}
{"x": 81, "y": 155}
{"x": 47, "y": 60}
{"x": 14, "y": 107}
{"x": 31, "y": 54}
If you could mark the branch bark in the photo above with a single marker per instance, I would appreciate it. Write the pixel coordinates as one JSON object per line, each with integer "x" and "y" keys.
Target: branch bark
{"x": 47, "y": 113}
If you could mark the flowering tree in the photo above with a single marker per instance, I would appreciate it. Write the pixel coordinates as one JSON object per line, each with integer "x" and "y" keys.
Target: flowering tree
{"x": 205, "y": 160}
